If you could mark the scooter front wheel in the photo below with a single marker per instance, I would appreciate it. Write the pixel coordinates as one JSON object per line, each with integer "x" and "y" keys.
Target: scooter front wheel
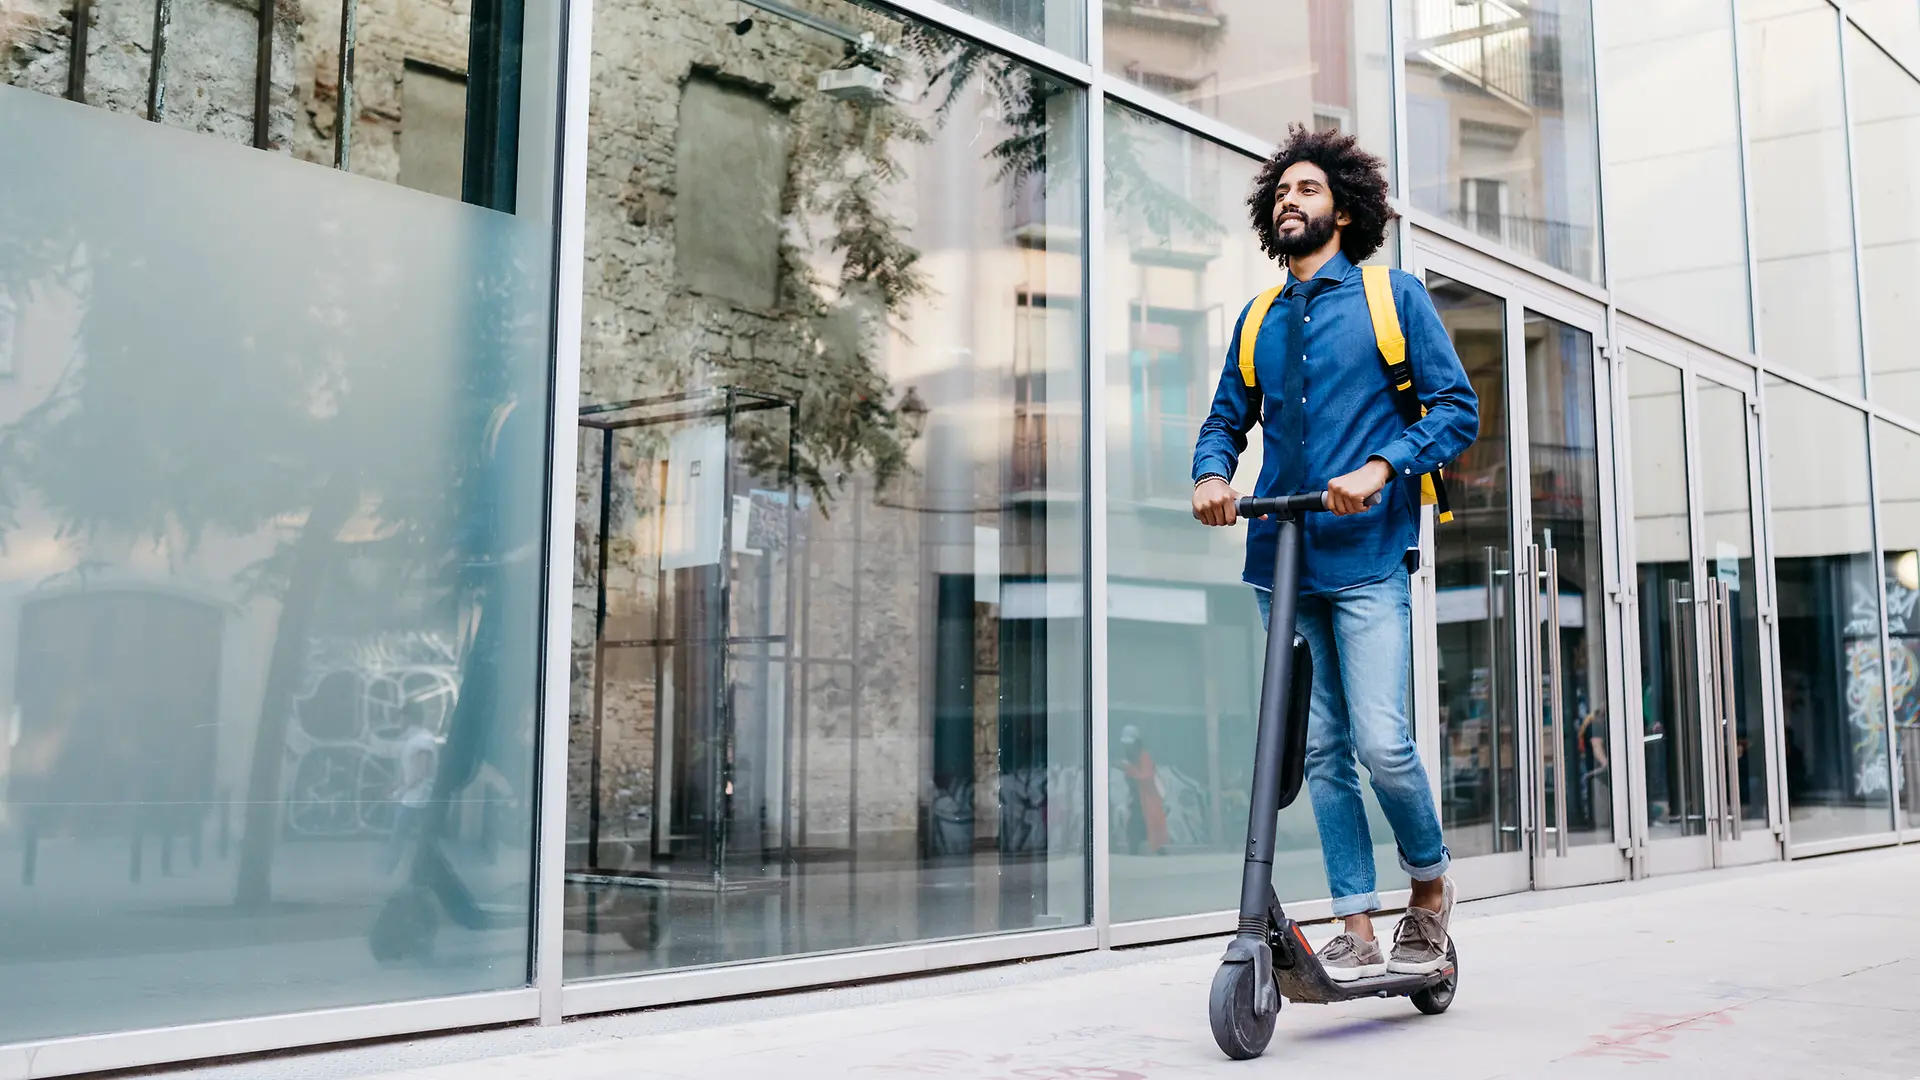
{"x": 1240, "y": 1031}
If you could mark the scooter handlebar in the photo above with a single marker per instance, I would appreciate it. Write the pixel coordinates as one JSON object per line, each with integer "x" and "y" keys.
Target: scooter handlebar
{"x": 1312, "y": 501}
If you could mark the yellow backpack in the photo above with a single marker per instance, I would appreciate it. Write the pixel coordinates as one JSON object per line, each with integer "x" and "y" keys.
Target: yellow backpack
{"x": 1393, "y": 351}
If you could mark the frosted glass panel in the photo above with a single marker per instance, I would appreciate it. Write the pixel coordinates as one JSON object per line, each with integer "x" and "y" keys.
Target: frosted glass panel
{"x": 272, "y": 467}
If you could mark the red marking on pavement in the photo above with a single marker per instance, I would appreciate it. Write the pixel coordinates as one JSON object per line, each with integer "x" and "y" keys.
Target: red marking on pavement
{"x": 1635, "y": 1040}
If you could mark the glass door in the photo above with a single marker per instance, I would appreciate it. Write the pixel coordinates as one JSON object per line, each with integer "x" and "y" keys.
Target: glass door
{"x": 1567, "y": 624}
{"x": 1521, "y": 602}
{"x": 1733, "y": 662}
{"x": 1483, "y": 762}
{"x": 1702, "y": 784}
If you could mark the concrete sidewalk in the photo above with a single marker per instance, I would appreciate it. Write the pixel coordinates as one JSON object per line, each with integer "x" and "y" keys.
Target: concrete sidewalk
{"x": 1810, "y": 969}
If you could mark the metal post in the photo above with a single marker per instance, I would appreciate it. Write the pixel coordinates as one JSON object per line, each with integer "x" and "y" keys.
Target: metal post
{"x": 343, "y": 118}
{"x": 77, "y": 52}
{"x": 157, "y": 67}
{"x": 263, "y": 78}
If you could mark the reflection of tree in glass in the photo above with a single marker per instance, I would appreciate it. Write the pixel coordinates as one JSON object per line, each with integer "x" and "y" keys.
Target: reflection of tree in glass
{"x": 326, "y": 363}
{"x": 845, "y": 171}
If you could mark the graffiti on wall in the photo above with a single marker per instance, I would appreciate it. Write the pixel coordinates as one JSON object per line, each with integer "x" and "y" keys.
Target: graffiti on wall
{"x": 1866, "y": 716}
{"x": 1903, "y": 636}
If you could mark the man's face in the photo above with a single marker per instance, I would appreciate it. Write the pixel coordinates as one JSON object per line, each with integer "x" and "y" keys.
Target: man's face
{"x": 1304, "y": 218}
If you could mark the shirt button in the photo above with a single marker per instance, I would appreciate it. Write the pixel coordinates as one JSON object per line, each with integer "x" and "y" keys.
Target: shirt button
{"x": 1306, "y": 318}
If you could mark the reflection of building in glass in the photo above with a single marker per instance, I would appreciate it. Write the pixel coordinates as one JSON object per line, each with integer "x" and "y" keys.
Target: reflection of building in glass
{"x": 1500, "y": 96}
{"x": 908, "y": 287}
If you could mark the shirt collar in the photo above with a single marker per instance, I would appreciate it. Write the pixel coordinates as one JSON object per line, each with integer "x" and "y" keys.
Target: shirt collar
{"x": 1334, "y": 269}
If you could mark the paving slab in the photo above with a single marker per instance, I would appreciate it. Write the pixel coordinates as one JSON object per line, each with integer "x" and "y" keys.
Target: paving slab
{"x": 1809, "y": 969}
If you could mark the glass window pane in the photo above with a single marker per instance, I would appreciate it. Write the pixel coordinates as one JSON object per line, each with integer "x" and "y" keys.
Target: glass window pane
{"x": 1803, "y": 224}
{"x": 830, "y": 691}
{"x": 1895, "y": 24}
{"x": 1476, "y": 601}
{"x": 1261, "y": 65}
{"x": 275, "y": 471}
{"x": 1673, "y": 172}
{"x": 1886, "y": 150}
{"x": 196, "y": 65}
{"x": 1185, "y": 645}
{"x": 1897, "y": 462}
{"x": 1057, "y": 24}
{"x": 1500, "y": 123}
{"x": 1837, "y": 776}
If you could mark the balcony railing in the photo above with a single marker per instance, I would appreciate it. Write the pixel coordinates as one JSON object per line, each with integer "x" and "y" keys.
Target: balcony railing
{"x": 1559, "y": 244}
{"x": 1199, "y": 14}
{"x": 1508, "y": 48}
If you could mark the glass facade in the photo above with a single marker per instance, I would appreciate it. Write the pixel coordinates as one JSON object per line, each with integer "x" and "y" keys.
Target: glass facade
{"x": 271, "y": 570}
{"x": 293, "y": 299}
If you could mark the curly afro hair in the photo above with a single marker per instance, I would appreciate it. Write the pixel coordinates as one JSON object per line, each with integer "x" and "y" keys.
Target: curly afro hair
{"x": 1356, "y": 179}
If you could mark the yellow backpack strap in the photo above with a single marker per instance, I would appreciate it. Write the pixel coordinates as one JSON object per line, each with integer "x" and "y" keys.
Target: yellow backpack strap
{"x": 1392, "y": 342}
{"x": 1386, "y": 326}
{"x": 1250, "y": 330}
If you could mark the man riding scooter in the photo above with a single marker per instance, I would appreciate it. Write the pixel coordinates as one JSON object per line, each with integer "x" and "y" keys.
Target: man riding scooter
{"x": 1314, "y": 364}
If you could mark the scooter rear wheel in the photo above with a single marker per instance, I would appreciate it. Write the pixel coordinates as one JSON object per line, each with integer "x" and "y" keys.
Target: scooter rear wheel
{"x": 1240, "y": 1032}
{"x": 1434, "y": 999}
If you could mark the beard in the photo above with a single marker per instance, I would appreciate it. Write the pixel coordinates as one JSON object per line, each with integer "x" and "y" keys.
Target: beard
{"x": 1308, "y": 240}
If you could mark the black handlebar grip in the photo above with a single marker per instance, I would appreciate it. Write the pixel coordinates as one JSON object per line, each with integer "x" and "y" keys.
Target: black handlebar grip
{"x": 1313, "y": 501}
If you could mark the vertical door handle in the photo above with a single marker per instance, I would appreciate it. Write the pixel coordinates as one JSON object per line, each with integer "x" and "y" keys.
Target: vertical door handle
{"x": 1729, "y": 706}
{"x": 1557, "y": 704}
{"x": 1679, "y": 660}
{"x": 1495, "y": 605}
{"x": 1527, "y": 597}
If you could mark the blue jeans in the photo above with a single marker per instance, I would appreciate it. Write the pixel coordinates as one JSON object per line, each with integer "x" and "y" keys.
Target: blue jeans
{"x": 1362, "y": 654}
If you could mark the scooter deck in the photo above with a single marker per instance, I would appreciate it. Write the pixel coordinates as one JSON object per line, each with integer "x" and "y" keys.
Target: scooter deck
{"x": 1302, "y": 978}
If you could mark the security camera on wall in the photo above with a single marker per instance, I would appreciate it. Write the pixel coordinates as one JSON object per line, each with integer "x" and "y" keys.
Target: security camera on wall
{"x": 857, "y": 83}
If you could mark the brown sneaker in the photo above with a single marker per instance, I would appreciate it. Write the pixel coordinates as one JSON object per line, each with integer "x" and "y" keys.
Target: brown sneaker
{"x": 1420, "y": 942}
{"x": 1347, "y": 958}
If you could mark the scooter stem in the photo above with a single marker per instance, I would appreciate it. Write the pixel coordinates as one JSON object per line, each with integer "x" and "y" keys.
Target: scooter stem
{"x": 1276, "y": 684}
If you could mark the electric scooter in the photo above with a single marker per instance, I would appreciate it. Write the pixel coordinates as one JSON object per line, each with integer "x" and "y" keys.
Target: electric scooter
{"x": 1269, "y": 957}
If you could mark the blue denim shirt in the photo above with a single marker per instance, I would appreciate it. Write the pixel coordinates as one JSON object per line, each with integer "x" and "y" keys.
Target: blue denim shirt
{"x": 1350, "y": 417}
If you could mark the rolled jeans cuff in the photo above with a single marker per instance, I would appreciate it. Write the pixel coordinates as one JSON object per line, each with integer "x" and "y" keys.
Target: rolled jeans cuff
{"x": 1432, "y": 872}
{"x": 1344, "y": 906}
